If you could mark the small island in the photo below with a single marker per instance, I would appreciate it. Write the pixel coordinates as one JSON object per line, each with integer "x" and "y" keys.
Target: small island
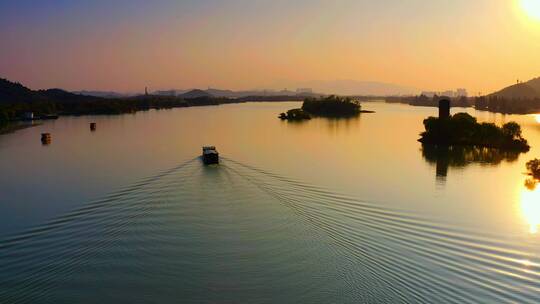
{"x": 330, "y": 106}
{"x": 463, "y": 130}
{"x": 295, "y": 115}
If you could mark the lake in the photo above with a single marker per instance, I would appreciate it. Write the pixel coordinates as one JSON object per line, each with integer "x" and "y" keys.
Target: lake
{"x": 322, "y": 211}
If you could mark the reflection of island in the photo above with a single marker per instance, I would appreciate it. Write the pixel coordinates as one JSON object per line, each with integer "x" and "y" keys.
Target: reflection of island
{"x": 445, "y": 157}
{"x": 459, "y": 140}
{"x": 331, "y": 106}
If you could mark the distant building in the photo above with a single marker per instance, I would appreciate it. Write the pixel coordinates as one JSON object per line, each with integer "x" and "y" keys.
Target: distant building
{"x": 462, "y": 93}
{"x": 448, "y": 93}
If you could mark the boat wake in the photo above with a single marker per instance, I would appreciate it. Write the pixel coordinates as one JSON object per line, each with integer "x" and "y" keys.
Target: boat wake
{"x": 213, "y": 234}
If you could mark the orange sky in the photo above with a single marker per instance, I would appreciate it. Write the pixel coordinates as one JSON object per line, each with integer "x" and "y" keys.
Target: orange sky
{"x": 481, "y": 45}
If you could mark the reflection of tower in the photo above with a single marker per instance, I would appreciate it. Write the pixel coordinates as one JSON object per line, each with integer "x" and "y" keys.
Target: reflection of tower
{"x": 441, "y": 157}
{"x": 441, "y": 169}
{"x": 444, "y": 108}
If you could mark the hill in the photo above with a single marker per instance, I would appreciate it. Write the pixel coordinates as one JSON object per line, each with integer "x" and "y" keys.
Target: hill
{"x": 195, "y": 94}
{"x": 104, "y": 94}
{"x": 524, "y": 90}
{"x": 520, "y": 98}
{"x": 535, "y": 84}
{"x": 13, "y": 92}
{"x": 516, "y": 91}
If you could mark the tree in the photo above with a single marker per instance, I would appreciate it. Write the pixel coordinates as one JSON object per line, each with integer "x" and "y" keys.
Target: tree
{"x": 533, "y": 167}
{"x": 512, "y": 130}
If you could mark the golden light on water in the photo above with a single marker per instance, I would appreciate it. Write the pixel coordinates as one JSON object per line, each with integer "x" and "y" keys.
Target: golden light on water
{"x": 531, "y": 7}
{"x": 530, "y": 206}
{"x": 537, "y": 117}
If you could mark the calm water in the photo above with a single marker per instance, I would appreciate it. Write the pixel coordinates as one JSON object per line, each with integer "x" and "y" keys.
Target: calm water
{"x": 325, "y": 211}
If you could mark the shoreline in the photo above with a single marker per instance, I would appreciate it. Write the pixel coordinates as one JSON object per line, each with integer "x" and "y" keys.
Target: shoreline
{"x": 14, "y": 127}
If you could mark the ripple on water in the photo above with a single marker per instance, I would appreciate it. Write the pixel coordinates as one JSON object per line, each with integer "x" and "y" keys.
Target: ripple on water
{"x": 237, "y": 233}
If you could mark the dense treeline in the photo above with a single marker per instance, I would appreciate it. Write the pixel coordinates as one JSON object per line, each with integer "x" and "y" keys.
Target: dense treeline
{"x": 15, "y": 100}
{"x": 463, "y": 129}
{"x": 425, "y": 101}
{"x": 100, "y": 106}
{"x": 490, "y": 103}
{"x": 508, "y": 106}
{"x": 271, "y": 98}
{"x": 331, "y": 106}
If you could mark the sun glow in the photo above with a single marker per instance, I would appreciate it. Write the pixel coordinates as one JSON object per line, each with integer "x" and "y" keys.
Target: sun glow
{"x": 532, "y": 8}
{"x": 530, "y": 206}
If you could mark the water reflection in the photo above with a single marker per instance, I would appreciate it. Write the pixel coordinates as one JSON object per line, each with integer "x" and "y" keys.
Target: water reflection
{"x": 537, "y": 117}
{"x": 337, "y": 124}
{"x": 332, "y": 125}
{"x": 530, "y": 207}
{"x": 445, "y": 157}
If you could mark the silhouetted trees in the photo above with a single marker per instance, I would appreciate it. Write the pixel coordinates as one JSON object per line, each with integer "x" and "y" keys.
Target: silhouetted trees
{"x": 295, "y": 115}
{"x": 533, "y": 168}
{"x": 4, "y": 118}
{"x": 507, "y": 106}
{"x": 15, "y": 99}
{"x": 425, "y": 101}
{"x": 331, "y": 106}
{"x": 463, "y": 129}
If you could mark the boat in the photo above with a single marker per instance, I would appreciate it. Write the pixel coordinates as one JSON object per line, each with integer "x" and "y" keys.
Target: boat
{"x": 46, "y": 139}
{"x": 210, "y": 155}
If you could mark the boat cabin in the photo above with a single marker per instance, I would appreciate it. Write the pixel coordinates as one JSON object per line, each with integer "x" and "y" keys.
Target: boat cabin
{"x": 210, "y": 155}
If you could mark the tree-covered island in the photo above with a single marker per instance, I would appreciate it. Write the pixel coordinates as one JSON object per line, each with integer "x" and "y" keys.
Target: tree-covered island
{"x": 463, "y": 130}
{"x": 330, "y": 106}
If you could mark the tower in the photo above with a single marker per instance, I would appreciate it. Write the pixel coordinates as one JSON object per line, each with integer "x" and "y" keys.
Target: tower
{"x": 146, "y": 91}
{"x": 444, "y": 108}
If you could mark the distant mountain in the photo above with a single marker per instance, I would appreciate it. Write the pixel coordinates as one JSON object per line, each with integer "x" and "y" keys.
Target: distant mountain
{"x": 61, "y": 96}
{"x": 523, "y": 90}
{"x": 315, "y": 88}
{"x": 195, "y": 94}
{"x": 105, "y": 94}
{"x": 355, "y": 87}
{"x": 236, "y": 94}
{"x": 223, "y": 93}
{"x": 12, "y": 92}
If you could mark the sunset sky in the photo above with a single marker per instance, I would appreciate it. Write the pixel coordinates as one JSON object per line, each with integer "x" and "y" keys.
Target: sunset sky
{"x": 124, "y": 45}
